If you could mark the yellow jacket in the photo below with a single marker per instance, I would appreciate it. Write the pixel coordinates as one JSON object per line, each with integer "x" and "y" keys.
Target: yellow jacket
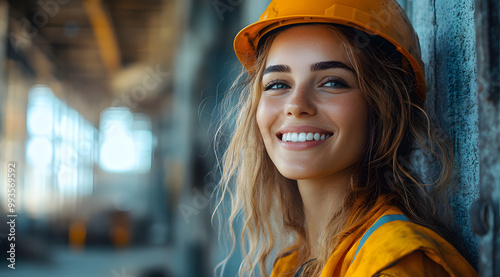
{"x": 388, "y": 244}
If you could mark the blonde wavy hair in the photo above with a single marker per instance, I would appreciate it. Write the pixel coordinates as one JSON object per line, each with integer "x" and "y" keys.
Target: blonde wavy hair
{"x": 269, "y": 205}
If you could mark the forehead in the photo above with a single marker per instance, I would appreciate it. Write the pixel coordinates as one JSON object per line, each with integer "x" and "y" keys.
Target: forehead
{"x": 306, "y": 44}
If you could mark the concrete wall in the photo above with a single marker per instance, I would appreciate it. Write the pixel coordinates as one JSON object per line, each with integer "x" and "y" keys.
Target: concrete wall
{"x": 485, "y": 212}
{"x": 448, "y": 40}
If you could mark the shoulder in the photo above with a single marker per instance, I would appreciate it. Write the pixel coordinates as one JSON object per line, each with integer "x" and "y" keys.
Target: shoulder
{"x": 416, "y": 264}
{"x": 392, "y": 238}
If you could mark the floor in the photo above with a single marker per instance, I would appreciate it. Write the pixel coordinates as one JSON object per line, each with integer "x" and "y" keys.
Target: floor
{"x": 96, "y": 262}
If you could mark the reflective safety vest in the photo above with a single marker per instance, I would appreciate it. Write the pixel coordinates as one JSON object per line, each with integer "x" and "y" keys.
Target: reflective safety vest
{"x": 387, "y": 244}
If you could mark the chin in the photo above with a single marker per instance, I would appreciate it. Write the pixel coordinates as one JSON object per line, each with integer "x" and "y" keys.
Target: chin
{"x": 317, "y": 172}
{"x": 298, "y": 174}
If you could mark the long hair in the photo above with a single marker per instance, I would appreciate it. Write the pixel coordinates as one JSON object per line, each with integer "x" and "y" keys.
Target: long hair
{"x": 270, "y": 204}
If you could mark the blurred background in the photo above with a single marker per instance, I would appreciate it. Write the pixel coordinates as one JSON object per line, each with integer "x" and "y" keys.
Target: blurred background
{"x": 108, "y": 108}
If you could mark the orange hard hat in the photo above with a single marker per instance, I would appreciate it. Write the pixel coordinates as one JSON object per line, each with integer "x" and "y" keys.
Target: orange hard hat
{"x": 384, "y": 18}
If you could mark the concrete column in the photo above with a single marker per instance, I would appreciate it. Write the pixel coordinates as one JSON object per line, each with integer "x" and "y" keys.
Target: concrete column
{"x": 447, "y": 37}
{"x": 486, "y": 212}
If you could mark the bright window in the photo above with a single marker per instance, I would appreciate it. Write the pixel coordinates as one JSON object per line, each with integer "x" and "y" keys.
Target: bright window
{"x": 126, "y": 141}
{"x": 59, "y": 151}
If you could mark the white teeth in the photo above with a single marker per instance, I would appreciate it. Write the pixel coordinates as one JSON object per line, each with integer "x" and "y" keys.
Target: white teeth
{"x": 302, "y": 137}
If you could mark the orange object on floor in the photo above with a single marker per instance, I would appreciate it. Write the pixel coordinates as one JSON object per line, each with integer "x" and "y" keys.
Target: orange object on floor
{"x": 77, "y": 235}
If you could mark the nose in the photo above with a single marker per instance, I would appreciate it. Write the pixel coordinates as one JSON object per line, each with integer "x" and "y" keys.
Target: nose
{"x": 300, "y": 103}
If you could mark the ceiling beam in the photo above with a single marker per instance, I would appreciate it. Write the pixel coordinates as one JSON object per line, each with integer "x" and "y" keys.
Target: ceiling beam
{"x": 105, "y": 35}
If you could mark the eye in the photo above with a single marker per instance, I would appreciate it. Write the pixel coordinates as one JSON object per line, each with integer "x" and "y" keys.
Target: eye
{"x": 276, "y": 85}
{"x": 332, "y": 82}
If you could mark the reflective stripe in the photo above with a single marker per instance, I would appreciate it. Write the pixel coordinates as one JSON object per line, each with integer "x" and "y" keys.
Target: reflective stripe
{"x": 381, "y": 221}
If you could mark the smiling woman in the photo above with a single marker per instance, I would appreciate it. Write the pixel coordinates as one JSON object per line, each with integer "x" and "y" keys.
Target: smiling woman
{"x": 329, "y": 118}
{"x": 316, "y": 94}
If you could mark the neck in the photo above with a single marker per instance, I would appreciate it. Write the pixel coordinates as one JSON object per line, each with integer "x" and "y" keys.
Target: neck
{"x": 321, "y": 199}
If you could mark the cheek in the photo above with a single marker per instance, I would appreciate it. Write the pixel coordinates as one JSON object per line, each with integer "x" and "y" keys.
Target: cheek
{"x": 260, "y": 117}
{"x": 265, "y": 116}
{"x": 358, "y": 119}
{"x": 360, "y": 124}
{"x": 362, "y": 118}
{"x": 353, "y": 118}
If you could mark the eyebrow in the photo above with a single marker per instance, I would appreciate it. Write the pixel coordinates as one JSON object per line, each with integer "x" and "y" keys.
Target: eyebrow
{"x": 315, "y": 67}
{"x": 330, "y": 64}
{"x": 277, "y": 68}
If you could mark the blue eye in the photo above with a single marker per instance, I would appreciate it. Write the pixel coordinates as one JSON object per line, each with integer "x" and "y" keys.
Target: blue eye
{"x": 335, "y": 83}
{"x": 275, "y": 85}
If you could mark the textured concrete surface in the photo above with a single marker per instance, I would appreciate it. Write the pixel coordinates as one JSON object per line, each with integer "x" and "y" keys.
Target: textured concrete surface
{"x": 447, "y": 36}
{"x": 487, "y": 16}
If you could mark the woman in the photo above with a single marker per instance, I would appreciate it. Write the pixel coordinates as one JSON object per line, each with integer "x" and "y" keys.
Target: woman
{"x": 330, "y": 115}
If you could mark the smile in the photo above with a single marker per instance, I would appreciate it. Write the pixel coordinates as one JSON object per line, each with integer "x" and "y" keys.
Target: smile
{"x": 303, "y": 137}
